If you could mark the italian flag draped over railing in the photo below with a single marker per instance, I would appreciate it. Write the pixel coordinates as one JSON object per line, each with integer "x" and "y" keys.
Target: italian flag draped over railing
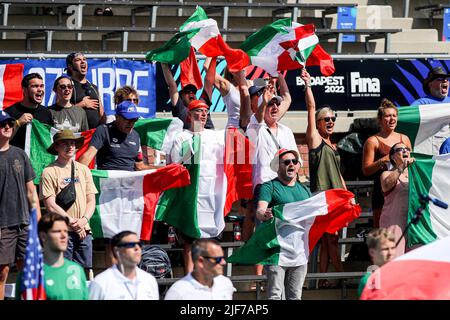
{"x": 287, "y": 45}
{"x": 10, "y": 84}
{"x": 154, "y": 133}
{"x": 421, "y": 274}
{"x": 429, "y": 176}
{"x": 127, "y": 200}
{"x": 273, "y": 242}
{"x": 420, "y": 123}
{"x": 201, "y": 214}
{"x": 201, "y": 33}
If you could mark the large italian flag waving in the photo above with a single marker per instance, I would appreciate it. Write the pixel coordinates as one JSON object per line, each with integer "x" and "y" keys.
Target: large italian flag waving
{"x": 286, "y": 45}
{"x": 421, "y": 274}
{"x": 420, "y": 123}
{"x": 275, "y": 243}
{"x": 203, "y": 34}
{"x": 127, "y": 200}
{"x": 429, "y": 176}
{"x": 198, "y": 209}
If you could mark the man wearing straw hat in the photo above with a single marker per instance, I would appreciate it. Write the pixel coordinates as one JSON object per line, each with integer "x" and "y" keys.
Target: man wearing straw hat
{"x": 58, "y": 176}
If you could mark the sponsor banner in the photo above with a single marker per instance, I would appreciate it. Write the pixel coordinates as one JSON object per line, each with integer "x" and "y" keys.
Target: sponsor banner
{"x": 356, "y": 84}
{"x": 107, "y": 74}
{"x": 446, "y": 25}
{"x": 346, "y": 19}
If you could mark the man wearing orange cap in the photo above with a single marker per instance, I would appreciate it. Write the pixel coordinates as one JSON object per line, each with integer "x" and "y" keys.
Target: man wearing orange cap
{"x": 207, "y": 147}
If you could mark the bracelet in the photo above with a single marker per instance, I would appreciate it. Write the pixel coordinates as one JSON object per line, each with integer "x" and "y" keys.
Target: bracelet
{"x": 87, "y": 220}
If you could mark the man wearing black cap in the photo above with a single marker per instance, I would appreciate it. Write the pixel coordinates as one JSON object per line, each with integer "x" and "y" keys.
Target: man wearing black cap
{"x": 187, "y": 94}
{"x": 436, "y": 86}
{"x": 85, "y": 94}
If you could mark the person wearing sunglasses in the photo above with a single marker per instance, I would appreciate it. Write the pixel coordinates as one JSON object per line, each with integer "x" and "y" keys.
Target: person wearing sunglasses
{"x": 124, "y": 280}
{"x": 436, "y": 88}
{"x": 206, "y": 281}
{"x": 285, "y": 188}
{"x": 376, "y": 149}
{"x": 66, "y": 116}
{"x": 18, "y": 197}
{"x": 395, "y": 187}
{"x": 324, "y": 169}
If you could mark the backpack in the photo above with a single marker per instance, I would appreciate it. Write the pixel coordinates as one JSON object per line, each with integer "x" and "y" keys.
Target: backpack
{"x": 155, "y": 261}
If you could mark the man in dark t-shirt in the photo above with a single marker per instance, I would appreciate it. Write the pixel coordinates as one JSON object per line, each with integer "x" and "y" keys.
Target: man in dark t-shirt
{"x": 17, "y": 195}
{"x": 117, "y": 145}
{"x": 85, "y": 94}
{"x": 29, "y": 108}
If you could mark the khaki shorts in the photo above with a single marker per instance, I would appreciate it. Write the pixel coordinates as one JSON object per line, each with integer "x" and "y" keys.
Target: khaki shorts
{"x": 13, "y": 242}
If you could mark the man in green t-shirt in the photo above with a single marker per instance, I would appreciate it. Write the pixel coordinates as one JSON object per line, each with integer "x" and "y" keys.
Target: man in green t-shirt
{"x": 381, "y": 245}
{"x": 64, "y": 279}
{"x": 285, "y": 188}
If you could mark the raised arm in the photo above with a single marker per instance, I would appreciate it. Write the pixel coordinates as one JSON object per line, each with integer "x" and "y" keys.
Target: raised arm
{"x": 220, "y": 83}
{"x": 284, "y": 93}
{"x": 267, "y": 95}
{"x": 313, "y": 138}
{"x": 171, "y": 84}
{"x": 245, "y": 111}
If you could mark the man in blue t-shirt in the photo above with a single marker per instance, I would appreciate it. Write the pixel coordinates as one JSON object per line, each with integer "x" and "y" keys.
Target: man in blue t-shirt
{"x": 117, "y": 144}
{"x": 436, "y": 86}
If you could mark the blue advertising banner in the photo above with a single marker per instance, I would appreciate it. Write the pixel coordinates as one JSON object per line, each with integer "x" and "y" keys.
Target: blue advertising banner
{"x": 107, "y": 74}
{"x": 446, "y": 25}
{"x": 346, "y": 19}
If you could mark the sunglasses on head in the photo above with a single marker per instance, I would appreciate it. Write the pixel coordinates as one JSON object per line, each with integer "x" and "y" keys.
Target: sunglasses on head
{"x": 9, "y": 123}
{"x": 288, "y": 162}
{"x": 217, "y": 260}
{"x": 327, "y": 119}
{"x": 129, "y": 245}
{"x": 66, "y": 86}
{"x": 402, "y": 149}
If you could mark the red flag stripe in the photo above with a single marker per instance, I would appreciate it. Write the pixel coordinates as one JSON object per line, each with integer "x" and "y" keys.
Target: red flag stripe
{"x": 189, "y": 73}
{"x": 12, "y": 78}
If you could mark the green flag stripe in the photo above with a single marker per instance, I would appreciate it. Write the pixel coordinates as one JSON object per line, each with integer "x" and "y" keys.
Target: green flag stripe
{"x": 153, "y": 131}
{"x": 409, "y": 122}
{"x": 420, "y": 182}
{"x": 257, "y": 41}
{"x": 178, "y": 206}
{"x": 261, "y": 248}
{"x": 40, "y": 140}
{"x": 96, "y": 221}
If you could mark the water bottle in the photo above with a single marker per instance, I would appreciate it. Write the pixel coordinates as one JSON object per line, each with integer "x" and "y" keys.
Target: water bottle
{"x": 171, "y": 236}
{"x": 237, "y": 231}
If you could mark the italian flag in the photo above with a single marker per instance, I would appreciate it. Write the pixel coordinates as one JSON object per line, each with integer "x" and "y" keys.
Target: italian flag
{"x": 275, "y": 242}
{"x": 420, "y": 123}
{"x": 429, "y": 176}
{"x": 203, "y": 34}
{"x": 39, "y": 137}
{"x": 159, "y": 133}
{"x": 421, "y": 274}
{"x": 127, "y": 200}
{"x": 286, "y": 45}
{"x": 198, "y": 209}
{"x": 10, "y": 84}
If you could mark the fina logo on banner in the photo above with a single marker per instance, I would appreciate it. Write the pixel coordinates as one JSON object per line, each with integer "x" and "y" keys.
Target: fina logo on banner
{"x": 107, "y": 74}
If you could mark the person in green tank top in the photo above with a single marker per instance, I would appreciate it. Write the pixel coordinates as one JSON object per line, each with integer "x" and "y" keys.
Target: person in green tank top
{"x": 64, "y": 279}
{"x": 381, "y": 245}
{"x": 324, "y": 168}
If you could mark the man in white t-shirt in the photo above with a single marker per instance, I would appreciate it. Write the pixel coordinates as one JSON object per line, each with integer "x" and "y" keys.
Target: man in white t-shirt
{"x": 206, "y": 281}
{"x": 124, "y": 280}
